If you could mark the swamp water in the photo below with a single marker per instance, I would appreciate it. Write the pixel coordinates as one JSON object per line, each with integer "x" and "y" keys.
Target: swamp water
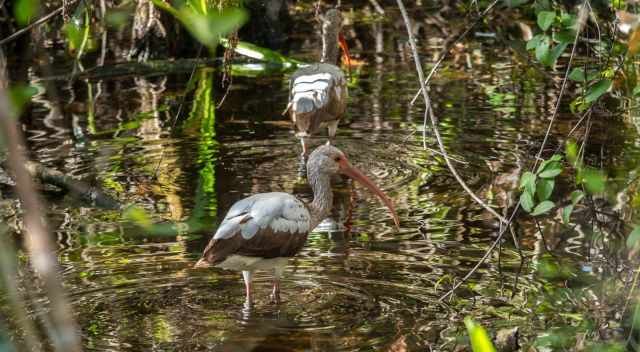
{"x": 358, "y": 284}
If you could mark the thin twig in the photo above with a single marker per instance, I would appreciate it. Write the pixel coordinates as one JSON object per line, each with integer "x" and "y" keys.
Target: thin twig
{"x": 32, "y": 25}
{"x": 434, "y": 123}
{"x": 446, "y": 50}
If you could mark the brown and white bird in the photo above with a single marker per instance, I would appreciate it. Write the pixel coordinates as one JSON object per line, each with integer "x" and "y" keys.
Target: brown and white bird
{"x": 318, "y": 92}
{"x": 262, "y": 231}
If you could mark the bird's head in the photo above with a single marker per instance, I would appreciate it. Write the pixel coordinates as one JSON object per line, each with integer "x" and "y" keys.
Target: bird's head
{"x": 328, "y": 160}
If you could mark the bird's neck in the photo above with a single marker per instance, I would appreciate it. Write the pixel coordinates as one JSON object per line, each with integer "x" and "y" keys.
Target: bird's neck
{"x": 330, "y": 50}
{"x": 322, "y": 202}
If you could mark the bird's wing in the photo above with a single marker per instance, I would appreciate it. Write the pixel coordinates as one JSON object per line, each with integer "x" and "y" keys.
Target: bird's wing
{"x": 265, "y": 225}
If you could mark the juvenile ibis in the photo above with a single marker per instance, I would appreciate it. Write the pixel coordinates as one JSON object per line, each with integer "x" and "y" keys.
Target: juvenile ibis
{"x": 262, "y": 231}
{"x": 318, "y": 92}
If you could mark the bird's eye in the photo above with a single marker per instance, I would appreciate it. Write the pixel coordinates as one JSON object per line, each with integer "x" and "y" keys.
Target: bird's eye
{"x": 337, "y": 158}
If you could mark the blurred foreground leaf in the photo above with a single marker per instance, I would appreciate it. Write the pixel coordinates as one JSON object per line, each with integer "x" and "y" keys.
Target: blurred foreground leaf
{"x": 593, "y": 179}
{"x": 20, "y": 95}
{"x": 206, "y": 26}
{"x": 25, "y": 11}
{"x": 480, "y": 341}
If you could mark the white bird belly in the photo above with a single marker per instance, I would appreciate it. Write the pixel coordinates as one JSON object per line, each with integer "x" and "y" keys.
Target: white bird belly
{"x": 245, "y": 263}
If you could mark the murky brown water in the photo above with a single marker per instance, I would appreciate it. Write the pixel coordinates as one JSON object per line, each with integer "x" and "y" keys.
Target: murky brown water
{"x": 359, "y": 286}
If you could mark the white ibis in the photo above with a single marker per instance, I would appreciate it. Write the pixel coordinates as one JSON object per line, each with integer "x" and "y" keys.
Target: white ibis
{"x": 262, "y": 231}
{"x": 318, "y": 92}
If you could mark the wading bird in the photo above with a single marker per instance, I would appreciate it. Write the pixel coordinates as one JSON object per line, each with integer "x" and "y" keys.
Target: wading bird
{"x": 318, "y": 92}
{"x": 262, "y": 231}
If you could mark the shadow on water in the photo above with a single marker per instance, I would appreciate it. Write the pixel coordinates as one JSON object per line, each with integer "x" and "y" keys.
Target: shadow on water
{"x": 358, "y": 284}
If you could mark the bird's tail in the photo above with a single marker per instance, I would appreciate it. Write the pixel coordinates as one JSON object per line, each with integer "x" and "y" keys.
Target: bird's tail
{"x": 302, "y": 108}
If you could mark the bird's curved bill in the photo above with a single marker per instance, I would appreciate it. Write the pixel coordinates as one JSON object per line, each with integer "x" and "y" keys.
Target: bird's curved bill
{"x": 351, "y": 171}
{"x": 345, "y": 49}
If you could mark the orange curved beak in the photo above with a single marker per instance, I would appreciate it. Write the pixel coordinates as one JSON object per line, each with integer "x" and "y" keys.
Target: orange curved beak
{"x": 347, "y": 169}
{"x": 345, "y": 50}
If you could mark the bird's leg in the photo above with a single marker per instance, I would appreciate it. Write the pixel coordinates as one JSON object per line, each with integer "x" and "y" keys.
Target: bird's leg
{"x": 247, "y": 275}
{"x": 275, "y": 295}
{"x": 302, "y": 169}
{"x": 332, "y": 127}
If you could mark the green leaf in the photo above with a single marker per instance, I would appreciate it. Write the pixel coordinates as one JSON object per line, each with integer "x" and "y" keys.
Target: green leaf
{"x": 542, "y": 208}
{"x": 260, "y": 53}
{"x": 545, "y": 19}
{"x": 74, "y": 35}
{"x": 554, "y": 54}
{"x": 593, "y": 180}
{"x": 550, "y": 168}
{"x": 576, "y": 196}
{"x": 542, "y": 50}
{"x": 528, "y": 182}
{"x": 636, "y": 90}
{"x": 480, "y": 341}
{"x": 597, "y": 90}
{"x": 208, "y": 28}
{"x": 633, "y": 238}
{"x": 20, "y": 95}
{"x": 526, "y": 201}
{"x": 544, "y": 188}
{"x": 535, "y": 41}
{"x": 571, "y": 151}
{"x": 566, "y": 36}
{"x": 578, "y": 75}
{"x": 568, "y": 20}
{"x": 551, "y": 173}
{"x": 566, "y": 214}
{"x": 25, "y": 11}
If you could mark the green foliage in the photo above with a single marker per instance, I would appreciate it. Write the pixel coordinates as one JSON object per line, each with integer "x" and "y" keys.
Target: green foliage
{"x": 545, "y": 19}
{"x": 480, "y": 341}
{"x": 597, "y": 90}
{"x": 578, "y": 74}
{"x": 205, "y": 22}
{"x": 593, "y": 179}
{"x": 539, "y": 186}
{"x": 558, "y": 33}
{"x": 25, "y": 11}
{"x": 544, "y": 188}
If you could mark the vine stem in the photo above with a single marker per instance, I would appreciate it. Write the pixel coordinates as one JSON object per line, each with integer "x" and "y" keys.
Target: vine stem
{"x": 428, "y": 112}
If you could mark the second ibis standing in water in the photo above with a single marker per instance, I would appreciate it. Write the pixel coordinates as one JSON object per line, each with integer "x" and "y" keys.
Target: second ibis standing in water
{"x": 318, "y": 92}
